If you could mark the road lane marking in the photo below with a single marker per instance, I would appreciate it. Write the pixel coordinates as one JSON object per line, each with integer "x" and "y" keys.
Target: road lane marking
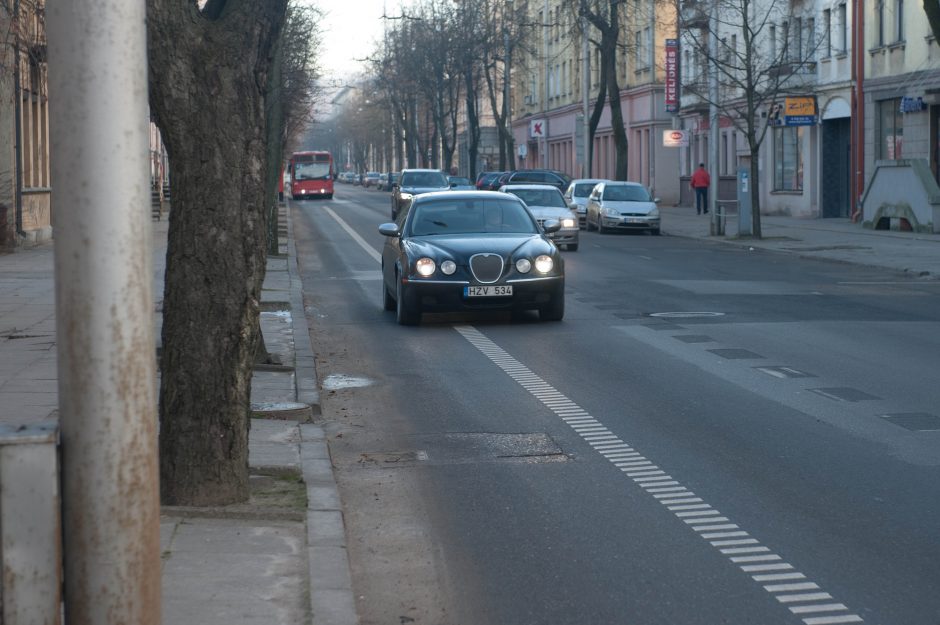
{"x": 355, "y": 235}
{"x": 698, "y": 515}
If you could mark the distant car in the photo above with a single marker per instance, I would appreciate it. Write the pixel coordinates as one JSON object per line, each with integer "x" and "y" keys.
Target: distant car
{"x": 390, "y": 180}
{"x": 371, "y": 179}
{"x": 577, "y": 196}
{"x": 485, "y": 178}
{"x": 538, "y": 176}
{"x": 414, "y": 182}
{"x": 470, "y": 250}
{"x": 622, "y": 206}
{"x": 382, "y": 182}
{"x": 547, "y": 203}
{"x": 459, "y": 183}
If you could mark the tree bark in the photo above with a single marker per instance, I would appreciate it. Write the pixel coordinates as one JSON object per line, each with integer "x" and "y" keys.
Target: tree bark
{"x": 208, "y": 87}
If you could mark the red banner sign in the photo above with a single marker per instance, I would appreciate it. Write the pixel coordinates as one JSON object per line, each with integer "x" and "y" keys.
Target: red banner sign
{"x": 672, "y": 75}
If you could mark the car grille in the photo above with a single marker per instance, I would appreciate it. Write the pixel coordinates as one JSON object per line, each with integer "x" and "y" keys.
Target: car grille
{"x": 486, "y": 268}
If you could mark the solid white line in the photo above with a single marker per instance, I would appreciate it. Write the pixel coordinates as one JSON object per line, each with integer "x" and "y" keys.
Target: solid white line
{"x": 629, "y": 473}
{"x": 710, "y": 528}
{"x": 809, "y": 596}
{"x": 710, "y": 521}
{"x": 770, "y": 557}
{"x": 668, "y": 502}
{"x": 820, "y": 607}
{"x": 833, "y": 620}
{"x": 669, "y": 483}
{"x": 746, "y": 541}
{"x": 757, "y": 568}
{"x": 355, "y": 235}
{"x": 791, "y": 587}
{"x": 672, "y": 491}
{"x": 777, "y": 577}
{"x": 698, "y": 513}
{"x": 723, "y": 535}
{"x": 656, "y": 479}
{"x": 733, "y": 550}
{"x": 690, "y": 505}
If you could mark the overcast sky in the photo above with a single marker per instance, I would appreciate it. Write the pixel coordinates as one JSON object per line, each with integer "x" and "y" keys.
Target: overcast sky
{"x": 349, "y": 29}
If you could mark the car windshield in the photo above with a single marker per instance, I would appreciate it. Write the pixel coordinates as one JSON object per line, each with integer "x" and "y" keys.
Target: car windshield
{"x": 540, "y": 197}
{"x": 430, "y": 179}
{"x": 626, "y": 193}
{"x": 458, "y": 180}
{"x": 583, "y": 189}
{"x": 311, "y": 171}
{"x": 474, "y": 215}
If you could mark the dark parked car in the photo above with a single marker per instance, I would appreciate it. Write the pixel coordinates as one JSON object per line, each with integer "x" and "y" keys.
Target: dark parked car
{"x": 414, "y": 182}
{"x": 470, "y": 250}
{"x": 539, "y": 176}
{"x": 485, "y": 178}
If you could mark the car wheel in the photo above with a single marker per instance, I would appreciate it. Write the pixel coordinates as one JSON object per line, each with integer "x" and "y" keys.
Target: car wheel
{"x": 600, "y": 226}
{"x": 404, "y": 315}
{"x": 655, "y": 232}
{"x": 555, "y": 311}
{"x": 572, "y": 247}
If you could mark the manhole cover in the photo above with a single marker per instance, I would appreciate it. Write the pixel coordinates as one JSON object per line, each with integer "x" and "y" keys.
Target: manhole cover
{"x": 686, "y": 315}
{"x": 285, "y": 410}
{"x": 339, "y": 381}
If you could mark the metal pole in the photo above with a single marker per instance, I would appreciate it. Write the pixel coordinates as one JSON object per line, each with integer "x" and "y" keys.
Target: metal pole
{"x": 713, "y": 134}
{"x": 104, "y": 311}
{"x": 585, "y": 94}
{"x": 546, "y": 33}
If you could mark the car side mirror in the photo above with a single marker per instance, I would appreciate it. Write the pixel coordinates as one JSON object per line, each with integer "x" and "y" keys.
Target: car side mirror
{"x": 389, "y": 230}
{"x": 655, "y": 200}
{"x": 551, "y": 225}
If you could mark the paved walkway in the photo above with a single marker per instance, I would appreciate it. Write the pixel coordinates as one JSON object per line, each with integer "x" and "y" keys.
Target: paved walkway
{"x": 238, "y": 567}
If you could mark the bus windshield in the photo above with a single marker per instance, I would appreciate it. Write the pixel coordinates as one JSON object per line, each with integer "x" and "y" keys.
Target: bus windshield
{"x": 311, "y": 171}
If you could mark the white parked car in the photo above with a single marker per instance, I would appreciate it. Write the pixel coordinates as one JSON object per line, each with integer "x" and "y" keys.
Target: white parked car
{"x": 622, "y": 206}
{"x": 577, "y": 196}
{"x": 546, "y": 202}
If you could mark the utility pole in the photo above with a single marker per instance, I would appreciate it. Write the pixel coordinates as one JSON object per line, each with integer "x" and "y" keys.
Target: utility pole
{"x": 104, "y": 311}
{"x": 586, "y": 165}
{"x": 546, "y": 34}
{"x": 713, "y": 130}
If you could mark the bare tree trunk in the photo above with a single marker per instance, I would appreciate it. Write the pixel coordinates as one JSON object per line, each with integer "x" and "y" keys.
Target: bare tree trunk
{"x": 208, "y": 80}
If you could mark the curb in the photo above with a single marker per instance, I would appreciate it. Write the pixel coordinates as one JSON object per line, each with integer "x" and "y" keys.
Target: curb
{"x": 331, "y": 596}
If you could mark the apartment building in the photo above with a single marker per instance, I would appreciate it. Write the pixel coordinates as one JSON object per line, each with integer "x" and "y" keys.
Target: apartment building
{"x": 25, "y": 189}
{"x": 548, "y": 96}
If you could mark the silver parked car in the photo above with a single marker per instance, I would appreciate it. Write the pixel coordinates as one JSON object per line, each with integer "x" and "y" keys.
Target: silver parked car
{"x": 546, "y": 202}
{"x": 622, "y": 206}
{"x": 577, "y": 196}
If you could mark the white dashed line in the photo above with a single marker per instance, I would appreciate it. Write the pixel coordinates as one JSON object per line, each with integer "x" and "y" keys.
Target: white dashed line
{"x": 743, "y": 550}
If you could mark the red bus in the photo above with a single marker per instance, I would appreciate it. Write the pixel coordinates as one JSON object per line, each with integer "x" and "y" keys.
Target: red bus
{"x": 311, "y": 175}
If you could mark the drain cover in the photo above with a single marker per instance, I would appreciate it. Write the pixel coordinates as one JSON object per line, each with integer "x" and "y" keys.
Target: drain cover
{"x": 687, "y": 314}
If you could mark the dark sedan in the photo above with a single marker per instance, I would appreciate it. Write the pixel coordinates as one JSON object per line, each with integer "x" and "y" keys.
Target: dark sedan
{"x": 470, "y": 250}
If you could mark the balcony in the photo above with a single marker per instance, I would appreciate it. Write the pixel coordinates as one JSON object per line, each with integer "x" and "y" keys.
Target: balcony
{"x": 794, "y": 74}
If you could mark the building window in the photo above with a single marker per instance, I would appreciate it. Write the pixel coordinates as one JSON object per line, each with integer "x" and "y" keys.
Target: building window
{"x": 880, "y": 22}
{"x": 798, "y": 54}
{"x": 788, "y": 158}
{"x": 811, "y": 39}
{"x": 890, "y": 129}
{"x": 773, "y": 43}
{"x": 843, "y": 30}
{"x": 827, "y": 34}
{"x": 899, "y": 19}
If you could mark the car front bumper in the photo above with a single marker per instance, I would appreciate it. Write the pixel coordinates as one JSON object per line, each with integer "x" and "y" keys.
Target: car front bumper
{"x": 565, "y": 236}
{"x": 631, "y": 222}
{"x": 444, "y": 296}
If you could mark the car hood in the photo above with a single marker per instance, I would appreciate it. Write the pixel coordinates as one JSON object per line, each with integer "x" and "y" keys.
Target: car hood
{"x": 641, "y": 208}
{"x": 550, "y": 212}
{"x": 417, "y": 190}
{"x": 460, "y": 248}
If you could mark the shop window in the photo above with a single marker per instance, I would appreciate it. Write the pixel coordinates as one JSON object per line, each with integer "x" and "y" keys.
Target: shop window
{"x": 890, "y": 130}
{"x": 788, "y": 158}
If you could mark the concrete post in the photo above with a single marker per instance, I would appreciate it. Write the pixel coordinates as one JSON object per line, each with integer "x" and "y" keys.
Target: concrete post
{"x": 104, "y": 310}
{"x": 714, "y": 132}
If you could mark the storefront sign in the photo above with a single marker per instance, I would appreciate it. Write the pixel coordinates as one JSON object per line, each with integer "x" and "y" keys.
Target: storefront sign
{"x": 675, "y": 138}
{"x": 799, "y": 111}
{"x": 672, "y": 75}
{"x": 538, "y": 129}
{"x": 912, "y": 105}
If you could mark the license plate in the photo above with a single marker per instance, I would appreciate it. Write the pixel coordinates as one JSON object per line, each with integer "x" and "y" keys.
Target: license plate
{"x": 633, "y": 220}
{"x": 487, "y": 291}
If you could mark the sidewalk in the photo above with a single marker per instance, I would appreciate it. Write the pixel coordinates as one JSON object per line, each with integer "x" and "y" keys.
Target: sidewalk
{"x": 830, "y": 239}
{"x": 247, "y": 564}
{"x": 242, "y": 564}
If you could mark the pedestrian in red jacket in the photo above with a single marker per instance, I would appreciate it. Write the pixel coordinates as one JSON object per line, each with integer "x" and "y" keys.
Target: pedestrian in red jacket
{"x": 700, "y": 183}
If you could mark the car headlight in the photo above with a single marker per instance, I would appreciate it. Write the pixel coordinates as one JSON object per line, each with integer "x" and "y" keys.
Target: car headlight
{"x": 568, "y": 222}
{"x": 425, "y": 267}
{"x": 448, "y": 267}
{"x": 406, "y": 196}
{"x": 523, "y": 265}
{"x": 544, "y": 263}
{"x": 610, "y": 212}
{"x": 654, "y": 213}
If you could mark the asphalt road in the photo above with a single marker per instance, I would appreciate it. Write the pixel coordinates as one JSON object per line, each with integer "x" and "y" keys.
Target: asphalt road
{"x": 710, "y": 436}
